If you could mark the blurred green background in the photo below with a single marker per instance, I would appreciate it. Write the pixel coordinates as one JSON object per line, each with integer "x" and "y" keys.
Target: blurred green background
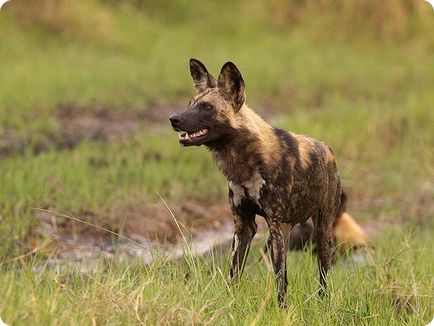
{"x": 87, "y": 87}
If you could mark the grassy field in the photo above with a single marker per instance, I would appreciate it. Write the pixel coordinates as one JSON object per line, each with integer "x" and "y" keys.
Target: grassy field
{"x": 84, "y": 99}
{"x": 395, "y": 289}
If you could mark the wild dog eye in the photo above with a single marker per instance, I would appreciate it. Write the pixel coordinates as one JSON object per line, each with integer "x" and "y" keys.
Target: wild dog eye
{"x": 208, "y": 107}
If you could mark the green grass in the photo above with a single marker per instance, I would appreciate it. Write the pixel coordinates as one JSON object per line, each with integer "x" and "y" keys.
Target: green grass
{"x": 369, "y": 97}
{"x": 394, "y": 288}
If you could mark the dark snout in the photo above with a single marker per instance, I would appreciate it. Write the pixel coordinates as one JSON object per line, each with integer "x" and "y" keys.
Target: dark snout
{"x": 175, "y": 120}
{"x": 190, "y": 127}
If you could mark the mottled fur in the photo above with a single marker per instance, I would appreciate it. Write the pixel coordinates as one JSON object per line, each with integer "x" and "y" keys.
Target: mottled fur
{"x": 284, "y": 177}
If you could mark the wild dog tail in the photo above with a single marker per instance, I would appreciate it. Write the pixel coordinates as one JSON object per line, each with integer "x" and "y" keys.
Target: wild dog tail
{"x": 347, "y": 232}
{"x": 342, "y": 206}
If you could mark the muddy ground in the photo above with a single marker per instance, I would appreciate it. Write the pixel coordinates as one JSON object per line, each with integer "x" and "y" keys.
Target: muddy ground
{"x": 148, "y": 232}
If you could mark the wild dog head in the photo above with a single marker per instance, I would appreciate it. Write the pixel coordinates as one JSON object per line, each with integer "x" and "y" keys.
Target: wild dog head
{"x": 210, "y": 114}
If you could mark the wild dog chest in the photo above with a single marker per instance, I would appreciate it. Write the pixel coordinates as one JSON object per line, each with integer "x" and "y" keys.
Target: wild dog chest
{"x": 249, "y": 190}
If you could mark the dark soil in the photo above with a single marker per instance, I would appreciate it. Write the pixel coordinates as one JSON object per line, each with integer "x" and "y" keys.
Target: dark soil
{"x": 77, "y": 124}
{"x": 138, "y": 221}
{"x": 152, "y": 226}
{"x": 11, "y": 142}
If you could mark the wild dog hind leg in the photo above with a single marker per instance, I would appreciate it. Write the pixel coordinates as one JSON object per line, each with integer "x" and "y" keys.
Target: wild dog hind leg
{"x": 324, "y": 241}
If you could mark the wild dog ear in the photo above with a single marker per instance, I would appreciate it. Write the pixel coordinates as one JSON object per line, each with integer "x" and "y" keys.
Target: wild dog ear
{"x": 202, "y": 79}
{"x": 232, "y": 84}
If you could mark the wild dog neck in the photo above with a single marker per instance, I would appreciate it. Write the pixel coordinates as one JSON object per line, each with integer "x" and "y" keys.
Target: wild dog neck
{"x": 248, "y": 148}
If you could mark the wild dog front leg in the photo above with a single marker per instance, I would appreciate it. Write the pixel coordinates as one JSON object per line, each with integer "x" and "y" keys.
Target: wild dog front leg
{"x": 245, "y": 230}
{"x": 278, "y": 245}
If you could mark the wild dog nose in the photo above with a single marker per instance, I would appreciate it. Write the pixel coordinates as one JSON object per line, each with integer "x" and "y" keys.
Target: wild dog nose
{"x": 175, "y": 120}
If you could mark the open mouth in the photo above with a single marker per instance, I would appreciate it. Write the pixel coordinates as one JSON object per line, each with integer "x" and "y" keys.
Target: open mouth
{"x": 185, "y": 137}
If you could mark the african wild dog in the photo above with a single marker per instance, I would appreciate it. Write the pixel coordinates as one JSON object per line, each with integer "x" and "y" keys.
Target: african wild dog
{"x": 347, "y": 234}
{"x": 282, "y": 176}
